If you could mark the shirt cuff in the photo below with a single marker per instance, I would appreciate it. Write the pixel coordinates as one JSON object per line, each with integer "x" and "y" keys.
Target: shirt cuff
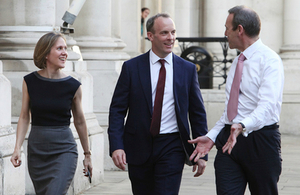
{"x": 212, "y": 134}
{"x": 245, "y": 134}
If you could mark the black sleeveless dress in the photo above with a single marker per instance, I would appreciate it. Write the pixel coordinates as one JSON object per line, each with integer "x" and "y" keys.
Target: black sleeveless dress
{"x": 52, "y": 150}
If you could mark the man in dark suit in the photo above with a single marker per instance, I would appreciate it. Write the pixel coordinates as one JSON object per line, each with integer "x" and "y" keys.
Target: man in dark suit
{"x": 156, "y": 151}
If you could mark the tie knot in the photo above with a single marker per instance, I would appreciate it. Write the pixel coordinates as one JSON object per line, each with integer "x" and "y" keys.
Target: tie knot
{"x": 242, "y": 57}
{"x": 162, "y": 62}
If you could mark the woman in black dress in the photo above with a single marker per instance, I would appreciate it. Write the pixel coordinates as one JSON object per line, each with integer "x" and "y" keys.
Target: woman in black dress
{"x": 49, "y": 96}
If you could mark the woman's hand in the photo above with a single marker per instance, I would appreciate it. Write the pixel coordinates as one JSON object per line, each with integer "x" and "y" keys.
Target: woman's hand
{"x": 87, "y": 163}
{"x": 16, "y": 158}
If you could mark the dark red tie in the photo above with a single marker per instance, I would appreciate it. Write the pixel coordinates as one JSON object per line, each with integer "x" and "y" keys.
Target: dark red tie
{"x": 160, "y": 88}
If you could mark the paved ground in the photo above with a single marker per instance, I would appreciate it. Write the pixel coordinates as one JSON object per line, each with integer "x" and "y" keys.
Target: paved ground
{"x": 117, "y": 182}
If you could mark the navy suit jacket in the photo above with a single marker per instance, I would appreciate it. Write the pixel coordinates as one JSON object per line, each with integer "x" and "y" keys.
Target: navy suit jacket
{"x": 133, "y": 98}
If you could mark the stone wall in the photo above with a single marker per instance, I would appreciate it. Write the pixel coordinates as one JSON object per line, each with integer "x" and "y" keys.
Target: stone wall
{"x": 8, "y": 182}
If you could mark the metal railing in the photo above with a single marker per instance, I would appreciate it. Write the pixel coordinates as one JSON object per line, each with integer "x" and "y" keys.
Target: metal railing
{"x": 201, "y": 57}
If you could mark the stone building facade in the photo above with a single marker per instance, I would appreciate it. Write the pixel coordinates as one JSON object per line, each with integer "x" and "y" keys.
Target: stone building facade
{"x": 107, "y": 32}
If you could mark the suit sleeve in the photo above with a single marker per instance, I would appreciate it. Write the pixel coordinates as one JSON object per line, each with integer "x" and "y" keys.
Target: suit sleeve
{"x": 118, "y": 110}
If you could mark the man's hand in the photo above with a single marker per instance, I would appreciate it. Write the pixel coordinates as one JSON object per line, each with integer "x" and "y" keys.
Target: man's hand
{"x": 201, "y": 164}
{"x": 235, "y": 131}
{"x": 119, "y": 158}
{"x": 204, "y": 145}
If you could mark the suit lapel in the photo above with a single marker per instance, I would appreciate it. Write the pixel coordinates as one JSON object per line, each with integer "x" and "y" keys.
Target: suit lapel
{"x": 145, "y": 78}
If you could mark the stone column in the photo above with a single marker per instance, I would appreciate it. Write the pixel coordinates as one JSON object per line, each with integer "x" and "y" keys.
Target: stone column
{"x": 216, "y": 12}
{"x": 187, "y": 21}
{"x": 196, "y": 18}
{"x": 20, "y": 30}
{"x": 8, "y": 181}
{"x": 169, "y": 7}
{"x": 155, "y": 7}
{"x": 290, "y": 50}
{"x": 214, "y": 15}
{"x": 116, "y": 19}
{"x": 78, "y": 69}
{"x": 182, "y": 18}
{"x": 22, "y": 24}
{"x": 101, "y": 51}
{"x": 93, "y": 27}
{"x": 131, "y": 26}
{"x": 291, "y": 22}
{"x": 290, "y": 54}
{"x": 98, "y": 32}
{"x": 270, "y": 14}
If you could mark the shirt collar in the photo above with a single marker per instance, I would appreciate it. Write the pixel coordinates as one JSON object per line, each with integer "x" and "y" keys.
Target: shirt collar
{"x": 154, "y": 58}
{"x": 252, "y": 48}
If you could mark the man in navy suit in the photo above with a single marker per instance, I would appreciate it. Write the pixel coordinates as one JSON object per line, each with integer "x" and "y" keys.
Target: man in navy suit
{"x": 155, "y": 162}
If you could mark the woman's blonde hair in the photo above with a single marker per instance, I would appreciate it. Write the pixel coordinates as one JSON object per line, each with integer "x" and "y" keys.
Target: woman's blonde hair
{"x": 43, "y": 48}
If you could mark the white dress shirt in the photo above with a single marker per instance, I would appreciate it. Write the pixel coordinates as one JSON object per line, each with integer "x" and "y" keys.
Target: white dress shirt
{"x": 168, "y": 115}
{"x": 261, "y": 90}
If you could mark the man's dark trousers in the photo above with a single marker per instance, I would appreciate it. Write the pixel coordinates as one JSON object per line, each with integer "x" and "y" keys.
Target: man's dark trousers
{"x": 161, "y": 174}
{"x": 255, "y": 160}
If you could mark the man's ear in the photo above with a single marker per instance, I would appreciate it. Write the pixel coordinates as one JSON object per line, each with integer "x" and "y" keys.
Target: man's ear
{"x": 150, "y": 36}
{"x": 240, "y": 29}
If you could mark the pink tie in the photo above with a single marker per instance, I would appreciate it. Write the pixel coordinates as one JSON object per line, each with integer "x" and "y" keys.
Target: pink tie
{"x": 160, "y": 88}
{"x": 232, "y": 106}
